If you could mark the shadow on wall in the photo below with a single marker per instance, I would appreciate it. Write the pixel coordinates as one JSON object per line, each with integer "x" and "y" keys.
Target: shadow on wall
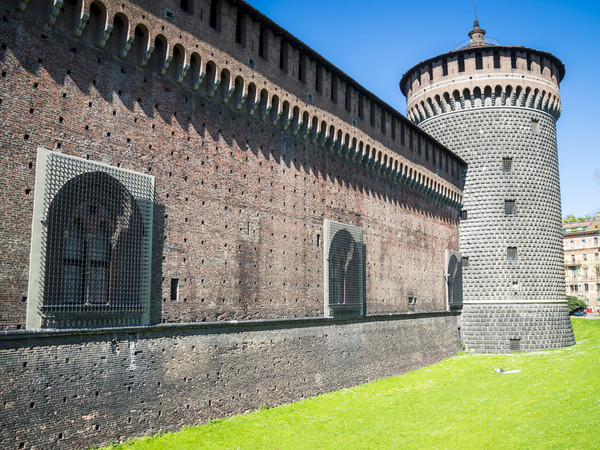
{"x": 158, "y": 242}
{"x": 116, "y": 78}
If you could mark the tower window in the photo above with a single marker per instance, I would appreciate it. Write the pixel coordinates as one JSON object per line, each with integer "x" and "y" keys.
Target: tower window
{"x": 511, "y": 253}
{"x": 215, "y": 13}
{"x": 507, "y": 164}
{"x": 509, "y": 207}
{"x": 465, "y": 262}
{"x": 334, "y": 89}
{"x": 283, "y": 56}
{"x": 444, "y": 67}
{"x": 186, "y": 5}
{"x": 461, "y": 63}
{"x": 478, "y": 61}
{"x": 302, "y": 67}
{"x": 513, "y": 60}
{"x": 496, "y": 59}
{"x": 240, "y": 31}
{"x": 263, "y": 43}
{"x": 529, "y": 61}
{"x": 361, "y": 106}
{"x": 463, "y": 214}
{"x": 348, "y": 104}
{"x": 319, "y": 80}
{"x": 174, "y": 288}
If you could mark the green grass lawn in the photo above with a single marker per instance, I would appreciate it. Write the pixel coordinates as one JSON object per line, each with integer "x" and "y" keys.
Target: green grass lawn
{"x": 553, "y": 402}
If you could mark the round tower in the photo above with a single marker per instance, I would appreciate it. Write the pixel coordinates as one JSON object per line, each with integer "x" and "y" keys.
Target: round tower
{"x": 496, "y": 107}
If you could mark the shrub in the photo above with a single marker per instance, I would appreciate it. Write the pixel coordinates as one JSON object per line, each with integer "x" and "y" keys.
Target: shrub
{"x": 575, "y": 304}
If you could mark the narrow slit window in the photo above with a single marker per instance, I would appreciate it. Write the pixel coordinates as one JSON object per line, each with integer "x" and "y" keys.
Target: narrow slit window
{"x": 334, "y": 89}
{"x": 301, "y": 67}
{"x": 507, "y": 164}
{"x": 186, "y": 5}
{"x": 174, "y": 288}
{"x": 461, "y": 63}
{"x": 444, "y": 67}
{"x": 496, "y": 59}
{"x": 348, "y": 102}
{"x": 283, "y": 56}
{"x": 213, "y": 19}
{"x": 511, "y": 253}
{"x": 509, "y": 207}
{"x": 263, "y": 43}
{"x": 478, "y": 61}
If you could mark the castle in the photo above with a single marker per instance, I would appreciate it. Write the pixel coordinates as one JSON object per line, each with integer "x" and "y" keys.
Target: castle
{"x": 496, "y": 107}
{"x": 201, "y": 214}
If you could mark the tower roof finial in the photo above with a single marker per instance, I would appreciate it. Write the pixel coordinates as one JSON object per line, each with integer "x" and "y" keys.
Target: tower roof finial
{"x": 477, "y": 34}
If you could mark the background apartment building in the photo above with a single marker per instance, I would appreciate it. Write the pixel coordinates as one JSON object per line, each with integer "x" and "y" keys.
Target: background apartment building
{"x": 582, "y": 260}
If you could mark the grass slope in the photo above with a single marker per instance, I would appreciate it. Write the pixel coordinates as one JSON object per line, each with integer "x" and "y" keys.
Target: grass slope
{"x": 553, "y": 402}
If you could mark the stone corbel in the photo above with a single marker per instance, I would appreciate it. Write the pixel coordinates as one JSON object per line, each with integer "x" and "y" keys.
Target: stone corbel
{"x": 105, "y": 36}
{"x": 297, "y": 127}
{"x": 54, "y": 13}
{"x": 241, "y": 100}
{"x": 266, "y": 112}
{"x": 253, "y": 107}
{"x": 306, "y": 132}
{"x": 182, "y": 72}
{"x": 199, "y": 81}
{"x": 228, "y": 94}
{"x": 287, "y": 122}
{"x": 127, "y": 47}
{"x": 214, "y": 88}
{"x": 83, "y": 20}
{"x": 277, "y": 117}
{"x": 147, "y": 56}
{"x": 165, "y": 66}
{"x": 315, "y": 136}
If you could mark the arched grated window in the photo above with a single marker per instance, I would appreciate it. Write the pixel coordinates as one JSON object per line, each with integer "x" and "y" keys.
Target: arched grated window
{"x": 91, "y": 244}
{"x": 344, "y": 269}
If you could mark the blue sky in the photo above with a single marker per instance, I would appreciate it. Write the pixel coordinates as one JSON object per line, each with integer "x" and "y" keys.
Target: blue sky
{"x": 376, "y": 42}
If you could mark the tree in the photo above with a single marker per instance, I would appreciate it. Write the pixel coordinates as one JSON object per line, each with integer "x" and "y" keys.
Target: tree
{"x": 575, "y": 304}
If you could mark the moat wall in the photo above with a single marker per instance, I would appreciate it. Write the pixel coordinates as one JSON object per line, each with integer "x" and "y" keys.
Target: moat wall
{"x": 79, "y": 389}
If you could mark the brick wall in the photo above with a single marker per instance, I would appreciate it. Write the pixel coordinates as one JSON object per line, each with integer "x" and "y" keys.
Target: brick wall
{"x": 240, "y": 202}
{"x": 76, "y": 390}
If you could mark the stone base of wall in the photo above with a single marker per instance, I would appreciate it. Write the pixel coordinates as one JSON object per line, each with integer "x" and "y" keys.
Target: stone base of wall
{"x": 77, "y": 389}
{"x": 490, "y": 328}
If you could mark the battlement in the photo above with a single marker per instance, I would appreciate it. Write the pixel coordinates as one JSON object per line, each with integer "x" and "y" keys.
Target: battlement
{"x": 232, "y": 54}
{"x": 490, "y": 76}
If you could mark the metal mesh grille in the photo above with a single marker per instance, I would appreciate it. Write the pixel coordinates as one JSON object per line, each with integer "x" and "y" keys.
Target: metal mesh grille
{"x": 344, "y": 269}
{"x": 95, "y": 243}
{"x": 515, "y": 345}
{"x": 454, "y": 264}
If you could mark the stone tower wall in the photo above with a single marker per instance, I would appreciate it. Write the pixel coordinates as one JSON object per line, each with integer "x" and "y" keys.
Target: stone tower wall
{"x": 497, "y": 107}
